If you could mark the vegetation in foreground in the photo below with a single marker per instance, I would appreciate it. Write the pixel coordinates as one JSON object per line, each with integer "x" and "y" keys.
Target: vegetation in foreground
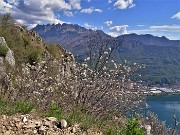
{"x": 85, "y": 120}
{"x": 89, "y": 93}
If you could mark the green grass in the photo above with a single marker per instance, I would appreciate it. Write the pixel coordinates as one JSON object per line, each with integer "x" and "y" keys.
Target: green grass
{"x": 16, "y": 107}
{"x": 85, "y": 120}
{"x": 54, "y": 111}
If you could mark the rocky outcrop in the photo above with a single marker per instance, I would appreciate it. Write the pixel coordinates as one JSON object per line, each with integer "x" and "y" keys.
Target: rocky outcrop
{"x": 10, "y": 55}
{"x": 2, "y": 40}
{"x": 4, "y": 79}
{"x": 32, "y": 125}
{"x": 2, "y": 69}
{"x": 68, "y": 64}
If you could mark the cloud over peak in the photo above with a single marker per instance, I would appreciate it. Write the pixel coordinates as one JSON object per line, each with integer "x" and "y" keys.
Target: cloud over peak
{"x": 118, "y": 30}
{"x": 88, "y": 26}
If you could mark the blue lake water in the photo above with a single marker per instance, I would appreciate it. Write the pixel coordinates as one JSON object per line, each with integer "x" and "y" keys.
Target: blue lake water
{"x": 164, "y": 107}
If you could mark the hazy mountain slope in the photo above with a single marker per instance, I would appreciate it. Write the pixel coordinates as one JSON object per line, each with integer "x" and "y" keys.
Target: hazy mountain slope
{"x": 148, "y": 39}
{"x": 162, "y": 64}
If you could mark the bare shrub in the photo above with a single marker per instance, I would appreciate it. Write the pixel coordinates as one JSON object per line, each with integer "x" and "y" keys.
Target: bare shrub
{"x": 104, "y": 86}
{"x": 157, "y": 126}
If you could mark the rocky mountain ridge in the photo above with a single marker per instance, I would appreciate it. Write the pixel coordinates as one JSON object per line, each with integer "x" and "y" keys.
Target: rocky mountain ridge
{"x": 72, "y": 37}
{"x": 66, "y": 33}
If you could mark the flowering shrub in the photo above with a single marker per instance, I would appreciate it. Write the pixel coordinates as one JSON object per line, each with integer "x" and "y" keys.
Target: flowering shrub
{"x": 92, "y": 85}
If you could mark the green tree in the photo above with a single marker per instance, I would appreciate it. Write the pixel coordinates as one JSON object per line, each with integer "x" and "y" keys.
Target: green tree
{"x": 3, "y": 50}
{"x": 6, "y": 20}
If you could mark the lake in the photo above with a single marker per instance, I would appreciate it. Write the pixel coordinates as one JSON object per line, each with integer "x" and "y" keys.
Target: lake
{"x": 164, "y": 107}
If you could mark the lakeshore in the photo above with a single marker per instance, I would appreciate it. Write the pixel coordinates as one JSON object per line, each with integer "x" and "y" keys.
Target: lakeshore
{"x": 154, "y": 91}
{"x": 163, "y": 106}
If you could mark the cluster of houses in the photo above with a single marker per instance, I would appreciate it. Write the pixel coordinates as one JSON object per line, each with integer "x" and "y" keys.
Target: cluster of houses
{"x": 160, "y": 90}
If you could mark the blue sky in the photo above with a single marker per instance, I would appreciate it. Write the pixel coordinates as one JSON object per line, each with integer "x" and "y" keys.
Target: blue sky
{"x": 115, "y": 17}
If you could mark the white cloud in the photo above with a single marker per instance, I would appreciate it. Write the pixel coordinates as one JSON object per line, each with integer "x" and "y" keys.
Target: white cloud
{"x": 170, "y": 31}
{"x": 166, "y": 27}
{"x": 68, "y": 13}
{"x": 90, "y": 10}
{"x": 87, "y": 10}
{"x": 176, "y": 16}
{"x": 108, "y": 23}
{"x": 140, "y": 25}
{"x": 32, "y": 12}
{"x": 118, "y": 30}
{"x": 75, "y": 4}
{"x": 98, "y": 10}
{"x": 132, "y": 5}
{"x": 123, "y": 4}
{"x": 173, "y": 35}
{"x": 5, "y": 7}
{"x": 109, "y": 1}
{"x": 88, "y": 26}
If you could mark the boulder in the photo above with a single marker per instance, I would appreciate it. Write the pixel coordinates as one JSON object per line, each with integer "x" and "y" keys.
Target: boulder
{"x": 63, "y": 123}
{"x": 24, "y": 119}
{"x": 52, "y": 119}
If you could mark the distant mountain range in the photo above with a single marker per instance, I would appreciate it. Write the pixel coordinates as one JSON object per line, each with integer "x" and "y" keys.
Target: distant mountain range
{"x": 160, "y": 55}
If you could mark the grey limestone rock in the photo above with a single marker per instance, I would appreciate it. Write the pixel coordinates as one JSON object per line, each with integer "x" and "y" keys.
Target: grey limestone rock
{"x": 10, "y": 55}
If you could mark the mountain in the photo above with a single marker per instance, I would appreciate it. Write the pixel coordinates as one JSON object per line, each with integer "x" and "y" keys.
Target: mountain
{"x": 160, "y": 55}
{"x": 72, "y": 37}
{"x": 148, "y": 39}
